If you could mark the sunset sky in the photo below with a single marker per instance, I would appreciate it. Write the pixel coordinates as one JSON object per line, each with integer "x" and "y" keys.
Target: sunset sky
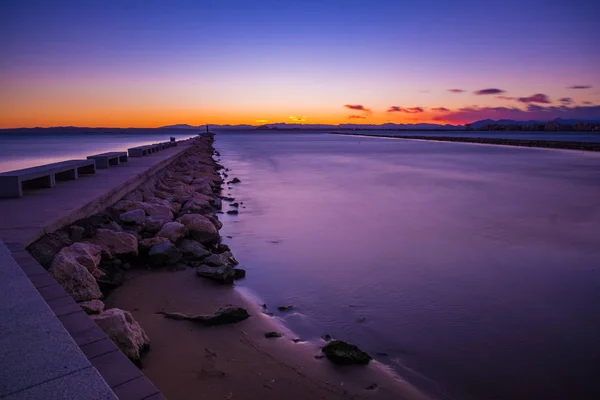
{"x": 152, "y": 63}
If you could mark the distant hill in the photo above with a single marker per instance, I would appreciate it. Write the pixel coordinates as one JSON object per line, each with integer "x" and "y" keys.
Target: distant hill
{"x": 484, "y": 122}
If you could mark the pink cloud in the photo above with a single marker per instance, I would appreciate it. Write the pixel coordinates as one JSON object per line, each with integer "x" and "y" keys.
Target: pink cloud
{"x": 456, "y": 90}
{"x": 412, "y": 110}
{"x": 566, "y": 100}
{"x": 357, "y": 107}
{"x": 356, "y": 117}
{"x": 489, "y": 91}
{"x": 580, "y": 87}
{"x": 505, "y": 97}
{"x": 440, "y": 109}
{"x": 535, "y": 98}
{"x": 533, "y": 112}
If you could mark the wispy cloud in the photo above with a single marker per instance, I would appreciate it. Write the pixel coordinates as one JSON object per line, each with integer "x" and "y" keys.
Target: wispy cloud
{"x": 262, "y": 121}
{"x": 440, "y": 109}
{"x": 566, "y": 101}
{"x": 489, "y": 91}
{"x": 579, "y": 87}
{"x": 533, "y": 112}
{"x": 589, "y": 103}
{"x": 535, "y": 98}
{"x": 456, "y": 90}
{"x": 505, "y": 97}
{"x": 356, "y": 117}
{"x": 357, "y": 107}
{"x": 298, "y": 119}
{"x": 412, "y": 110}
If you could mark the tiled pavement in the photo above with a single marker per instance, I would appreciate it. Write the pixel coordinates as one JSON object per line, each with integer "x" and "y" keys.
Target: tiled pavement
{"x": 50, "y": 348}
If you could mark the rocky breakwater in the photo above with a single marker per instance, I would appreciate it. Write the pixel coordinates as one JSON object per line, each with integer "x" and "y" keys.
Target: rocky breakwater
{"x": 168, "y": 222}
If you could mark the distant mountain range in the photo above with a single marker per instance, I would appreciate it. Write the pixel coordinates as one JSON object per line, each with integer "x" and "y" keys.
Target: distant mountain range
{"x": 386, "y": 126}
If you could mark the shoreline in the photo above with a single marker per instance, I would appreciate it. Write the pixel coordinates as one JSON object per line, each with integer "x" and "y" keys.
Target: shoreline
{"x": 188, "y": 360}
{"x": 545, "y": 144}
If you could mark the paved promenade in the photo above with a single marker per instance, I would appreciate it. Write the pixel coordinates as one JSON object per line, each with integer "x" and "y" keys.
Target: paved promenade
{"x": 49, "y": 348}
{"x": 24, "y": 220}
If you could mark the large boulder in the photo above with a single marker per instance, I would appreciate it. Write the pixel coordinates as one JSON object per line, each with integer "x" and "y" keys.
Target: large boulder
{"x": 124, "y": 330}
{"x": 164, "y": 254}
{"x": 134, "y": 217}
{"x": 172, "y": 231}
{"x": 75, "y": 278}
{"x": 223, "y": 274}
{"x": 123, "y": 206}
{"x": 203, "y": 186}
{"x": 157, "y": 210}
{"x": 200, "y": 228}
{"x": 218, "y": 260}
{"x": 197, "y": 205}
{"x": 92, "y": 307}
{"x": 86, "y": 254}
{"x": 215, "y": 221}
{"x": 154, "y": 224}
{"x": 146, "y": 244}
{"x": 116, "y": 244}
{"x": 173, "y": 206}
{"x": 340, "y": 352}
{"x": 193, "y": 250}
{"x": 46, "y": 248}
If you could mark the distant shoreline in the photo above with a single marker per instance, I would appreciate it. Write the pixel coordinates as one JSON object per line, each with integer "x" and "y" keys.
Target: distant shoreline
{"x": 548, "y": 144}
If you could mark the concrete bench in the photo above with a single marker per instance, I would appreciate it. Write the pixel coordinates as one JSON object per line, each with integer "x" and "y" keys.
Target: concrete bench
{"x": 140, "y": 151}
{"x": 43, "y": 176}
{"x": 105, "y": 160}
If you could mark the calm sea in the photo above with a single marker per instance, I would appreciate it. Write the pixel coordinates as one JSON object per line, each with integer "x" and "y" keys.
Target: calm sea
{"x": 472, "y": 270}
{"x": 21, "y": 150}
{"x": 559, "y": 136}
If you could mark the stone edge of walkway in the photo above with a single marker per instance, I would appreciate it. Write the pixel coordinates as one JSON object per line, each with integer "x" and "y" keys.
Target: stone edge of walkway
{"x": 126, "y": 380}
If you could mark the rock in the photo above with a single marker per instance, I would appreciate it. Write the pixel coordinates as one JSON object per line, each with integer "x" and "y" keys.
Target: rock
{"x": 172, "y": 231}
{"x": 269, "y": 335}
{"x": 135, "y": 217}
{"x": 239, "y": 273}
{"x": 234, "y": 204}
{"x": 227, "y": 198}
{"x": 225, "y": 315}
{"x": 193, "y": 250}
{"x": 76, "y": 233}
{"x": 135, "y": 234}
{"x": 154, "y": 224}
{"x": 196, "y": 206}
{"x": 112, "y": 226}
{"x": 215, "y": 221}
{"x": 146, "y": 244}
{"x": 372, "y": 386}
{"x": 234, "y": 180}
{"x": 202, "y": 187}
{"x": 164, "y": 254}
{"x": 340, "y": 352}
{"x": 223, "y": 274}
{"x": 116, "y": 244}
{"x": 158, "y": 210}
{"x": 186, "y": 179}
{"x": 122, "y": 206}
{"x": 46, "y": 248}
{"x": 326, "y": 338}
{"x": 218, "y": 260}
{"x": 200, "y": 228}
{"x": 86, "y": 254}
{"x": 233, "y": 212}
{"x": 217, "y": 203}
{"x": 124, "y": 330}
{"x": 75, "y": 278}
{"x": 297, "y": 340}
{"x": 319, "y": 357}
{"x": 285, "y": 308}
{"x": 92, "y": 307}
{"x": 222, "y": 248}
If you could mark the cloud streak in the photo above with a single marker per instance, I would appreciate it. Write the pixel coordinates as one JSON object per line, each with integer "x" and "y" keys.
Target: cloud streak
{"x": 579, "y": 87}
{"x": 566, "y": 101}
{"x": 456, "y": 90}
{"x": 489, "y": 91}
{"x": 357, "y": 107}
{"x": 533, "y": 112}
{"x": 412, "y": 110}
{"x": 440, "y": 109}
{"x": 357, "y": 117}
{"x": 505, "y": 97}
{"x": 535, "y": 98}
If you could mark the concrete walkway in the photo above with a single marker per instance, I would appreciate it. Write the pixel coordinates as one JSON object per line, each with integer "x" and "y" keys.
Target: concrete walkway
{"x": 38, "y": 358}
{"x": 24, "y": 220}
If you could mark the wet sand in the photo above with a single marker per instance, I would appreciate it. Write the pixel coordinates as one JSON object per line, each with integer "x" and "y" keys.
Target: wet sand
{"x": 188, "y": 361}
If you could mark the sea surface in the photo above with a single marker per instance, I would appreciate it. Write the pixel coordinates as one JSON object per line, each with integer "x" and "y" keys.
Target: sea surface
{"x": 472, "y": 270}
{"x": 23, "y": 150}
{"x": 558, "y": 136}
